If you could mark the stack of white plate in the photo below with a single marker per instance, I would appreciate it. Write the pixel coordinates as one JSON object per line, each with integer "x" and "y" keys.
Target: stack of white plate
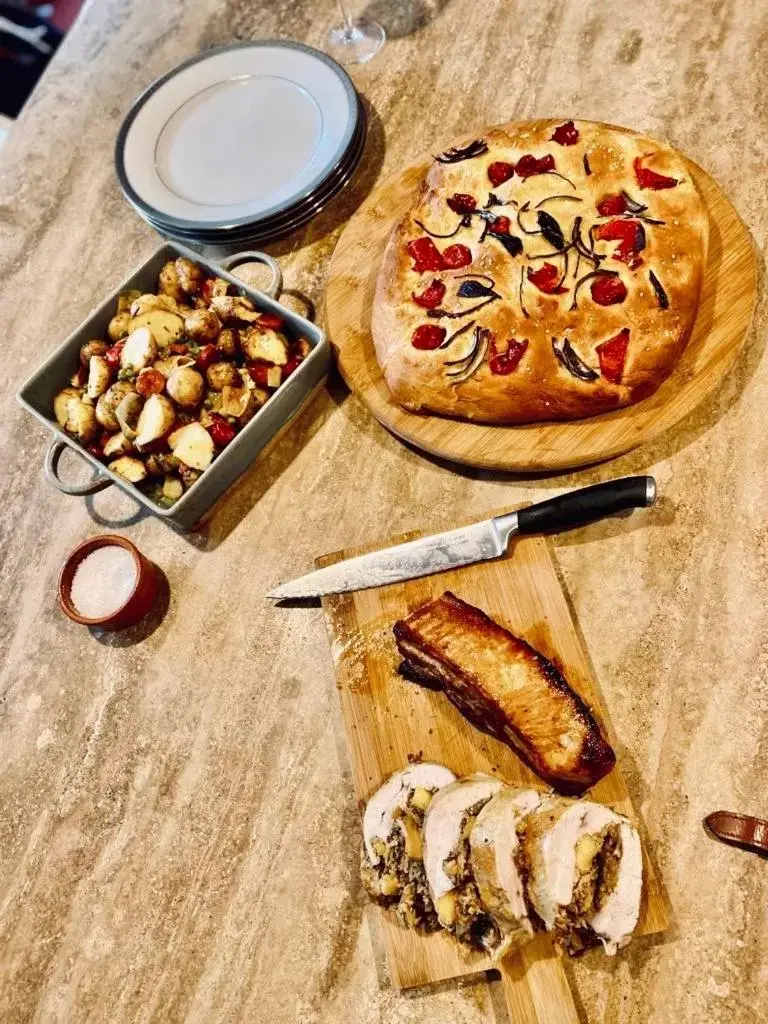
{"x": 241, "y": 144}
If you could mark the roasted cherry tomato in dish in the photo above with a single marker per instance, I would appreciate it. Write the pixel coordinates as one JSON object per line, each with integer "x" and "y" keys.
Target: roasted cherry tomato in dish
{"x": 290, "y": 366}
{"x": 112, "y": 355}
{"x": 271, "y": 322}
{"x": 222, "y": 433}
{"x": 206, "y": 356}
{"x": 150, "y": 382}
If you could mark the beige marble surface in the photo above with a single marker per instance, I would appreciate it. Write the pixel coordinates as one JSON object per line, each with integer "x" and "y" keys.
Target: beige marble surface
{"x": 177, "y": 828}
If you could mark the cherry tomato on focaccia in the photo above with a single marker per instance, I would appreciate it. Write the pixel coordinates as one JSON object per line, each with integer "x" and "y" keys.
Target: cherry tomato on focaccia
{"x": 432, "y": 295}
{"x": 499, "y": 172}
{"x": 506, "y": 362}
{"x": 460, "y": 202}
{"x": 547, "y": 279}
{"x": 529, "y": 165}
{"x": 457, "y": 256}
{"x": 612, "y": 355}
{"x": 631, "y": 237}
{"x": 566, "y": 134}
{"x": 428, "y": 337}
{"x": 607, "y": 291}
{"x": 646, "y": 178}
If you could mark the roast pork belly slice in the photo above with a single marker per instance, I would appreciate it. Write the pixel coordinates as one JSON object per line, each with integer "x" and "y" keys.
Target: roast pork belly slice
{"x": 506, "y": 688}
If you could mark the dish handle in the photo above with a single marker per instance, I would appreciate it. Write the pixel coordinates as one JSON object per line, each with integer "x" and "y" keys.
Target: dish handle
{"x": 96, "y": 483}
{"x": 275, "y": 286}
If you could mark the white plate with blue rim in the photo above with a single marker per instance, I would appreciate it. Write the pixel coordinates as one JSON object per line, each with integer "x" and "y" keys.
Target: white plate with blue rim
{"x": 236, "y": 135}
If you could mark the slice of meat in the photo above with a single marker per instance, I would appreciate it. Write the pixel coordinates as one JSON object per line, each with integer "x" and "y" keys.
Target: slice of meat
{"x": 506, "y": 688}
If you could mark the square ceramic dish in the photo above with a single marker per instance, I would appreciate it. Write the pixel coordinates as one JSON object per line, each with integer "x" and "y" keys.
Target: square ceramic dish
{"x": 37, "y": 394}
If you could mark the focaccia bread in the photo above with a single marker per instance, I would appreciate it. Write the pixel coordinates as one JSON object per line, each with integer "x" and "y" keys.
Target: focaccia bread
{"x": 548, "y": 270}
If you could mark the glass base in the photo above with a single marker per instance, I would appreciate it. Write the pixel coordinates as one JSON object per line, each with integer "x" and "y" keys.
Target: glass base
{"x": 357, "y": 42}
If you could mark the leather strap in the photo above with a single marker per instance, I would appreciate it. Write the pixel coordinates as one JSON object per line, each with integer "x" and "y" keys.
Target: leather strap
{"x": 739, "y": 830}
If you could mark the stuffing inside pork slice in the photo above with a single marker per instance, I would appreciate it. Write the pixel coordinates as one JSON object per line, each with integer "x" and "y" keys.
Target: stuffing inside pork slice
{"x": 498, "y": 864}
{"x": 392, "y": 867}
{"x": 584, "y": 874}
{"x": 447, "y": 860}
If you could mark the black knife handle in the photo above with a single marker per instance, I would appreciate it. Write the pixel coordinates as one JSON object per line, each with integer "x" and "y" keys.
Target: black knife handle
{"x": 586, "y": 505}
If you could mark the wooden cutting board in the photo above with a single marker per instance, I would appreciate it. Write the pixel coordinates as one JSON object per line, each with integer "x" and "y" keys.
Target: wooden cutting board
{"x": 725, "y": 313}
{"x": 387, "y": 720}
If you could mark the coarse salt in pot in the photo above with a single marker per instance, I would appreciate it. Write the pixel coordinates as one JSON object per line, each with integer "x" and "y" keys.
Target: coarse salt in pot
{"x": 107, "y": 582}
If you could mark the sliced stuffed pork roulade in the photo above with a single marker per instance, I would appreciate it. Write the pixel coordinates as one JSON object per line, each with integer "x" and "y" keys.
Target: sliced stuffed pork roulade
{"x": 392, "y": 864}
{"x": 447, "y": 829}
{"x": 585, "y": 873}
{"x": 497, "y": 863}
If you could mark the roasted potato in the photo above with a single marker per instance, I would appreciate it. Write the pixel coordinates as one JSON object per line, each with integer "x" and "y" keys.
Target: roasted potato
{"x": 170, "y": 363}
{"x": 233, "y": 309}
{"x": 234, "y": 401}
{"x": 203, "y": 326}
{"x": 61, "y": 404}
{"x": 190, "y": 276}
{"x": 127, "y": 299}
{"x": 99, "y": 376}
{"x": 157, "y": 418}
{"x": 117, "y": 444}
{"x": 108, "y": 403}
{"x": 76, "y": 415}
{"x": 139, "y": 351}
{"x": 266, "y": 344}
{"x": 168, "y": 282}
{"x": 193, "y": 445}
{"x": 172, "y": 488}
{"x": 228, "y": 343}
{"x": 127, "y": 414}
{"x": 186, "y": 387}
{"x": 129, "y": 468}
{"x": 160, "y": 464}
{"x": 220, "y": 375}
{"x": 165, "y": 327}
{"x": 146, "y": 303}
{"x": 92, "y": 348}
{"x": 119, "y": 326}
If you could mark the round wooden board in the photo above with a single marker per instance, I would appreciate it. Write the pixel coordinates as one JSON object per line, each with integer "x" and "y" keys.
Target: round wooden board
{"x": 725, "y": 312}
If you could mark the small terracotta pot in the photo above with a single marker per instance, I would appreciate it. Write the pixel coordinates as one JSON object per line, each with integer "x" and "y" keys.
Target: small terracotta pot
{"x": 137, "y": 605}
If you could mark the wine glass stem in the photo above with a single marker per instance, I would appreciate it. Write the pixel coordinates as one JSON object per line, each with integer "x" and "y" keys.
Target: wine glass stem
{"x": 346, "y": 16}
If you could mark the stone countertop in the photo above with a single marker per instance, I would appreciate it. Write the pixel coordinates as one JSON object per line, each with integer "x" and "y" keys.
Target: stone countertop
{"x": 178, "y": 833}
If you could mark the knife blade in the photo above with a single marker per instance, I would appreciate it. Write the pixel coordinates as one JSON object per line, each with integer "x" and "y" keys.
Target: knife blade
{"x": 468, "y": 544}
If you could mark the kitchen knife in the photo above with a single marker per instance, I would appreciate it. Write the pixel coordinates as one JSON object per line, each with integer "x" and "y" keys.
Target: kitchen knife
{"x": 475, "y": 543}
